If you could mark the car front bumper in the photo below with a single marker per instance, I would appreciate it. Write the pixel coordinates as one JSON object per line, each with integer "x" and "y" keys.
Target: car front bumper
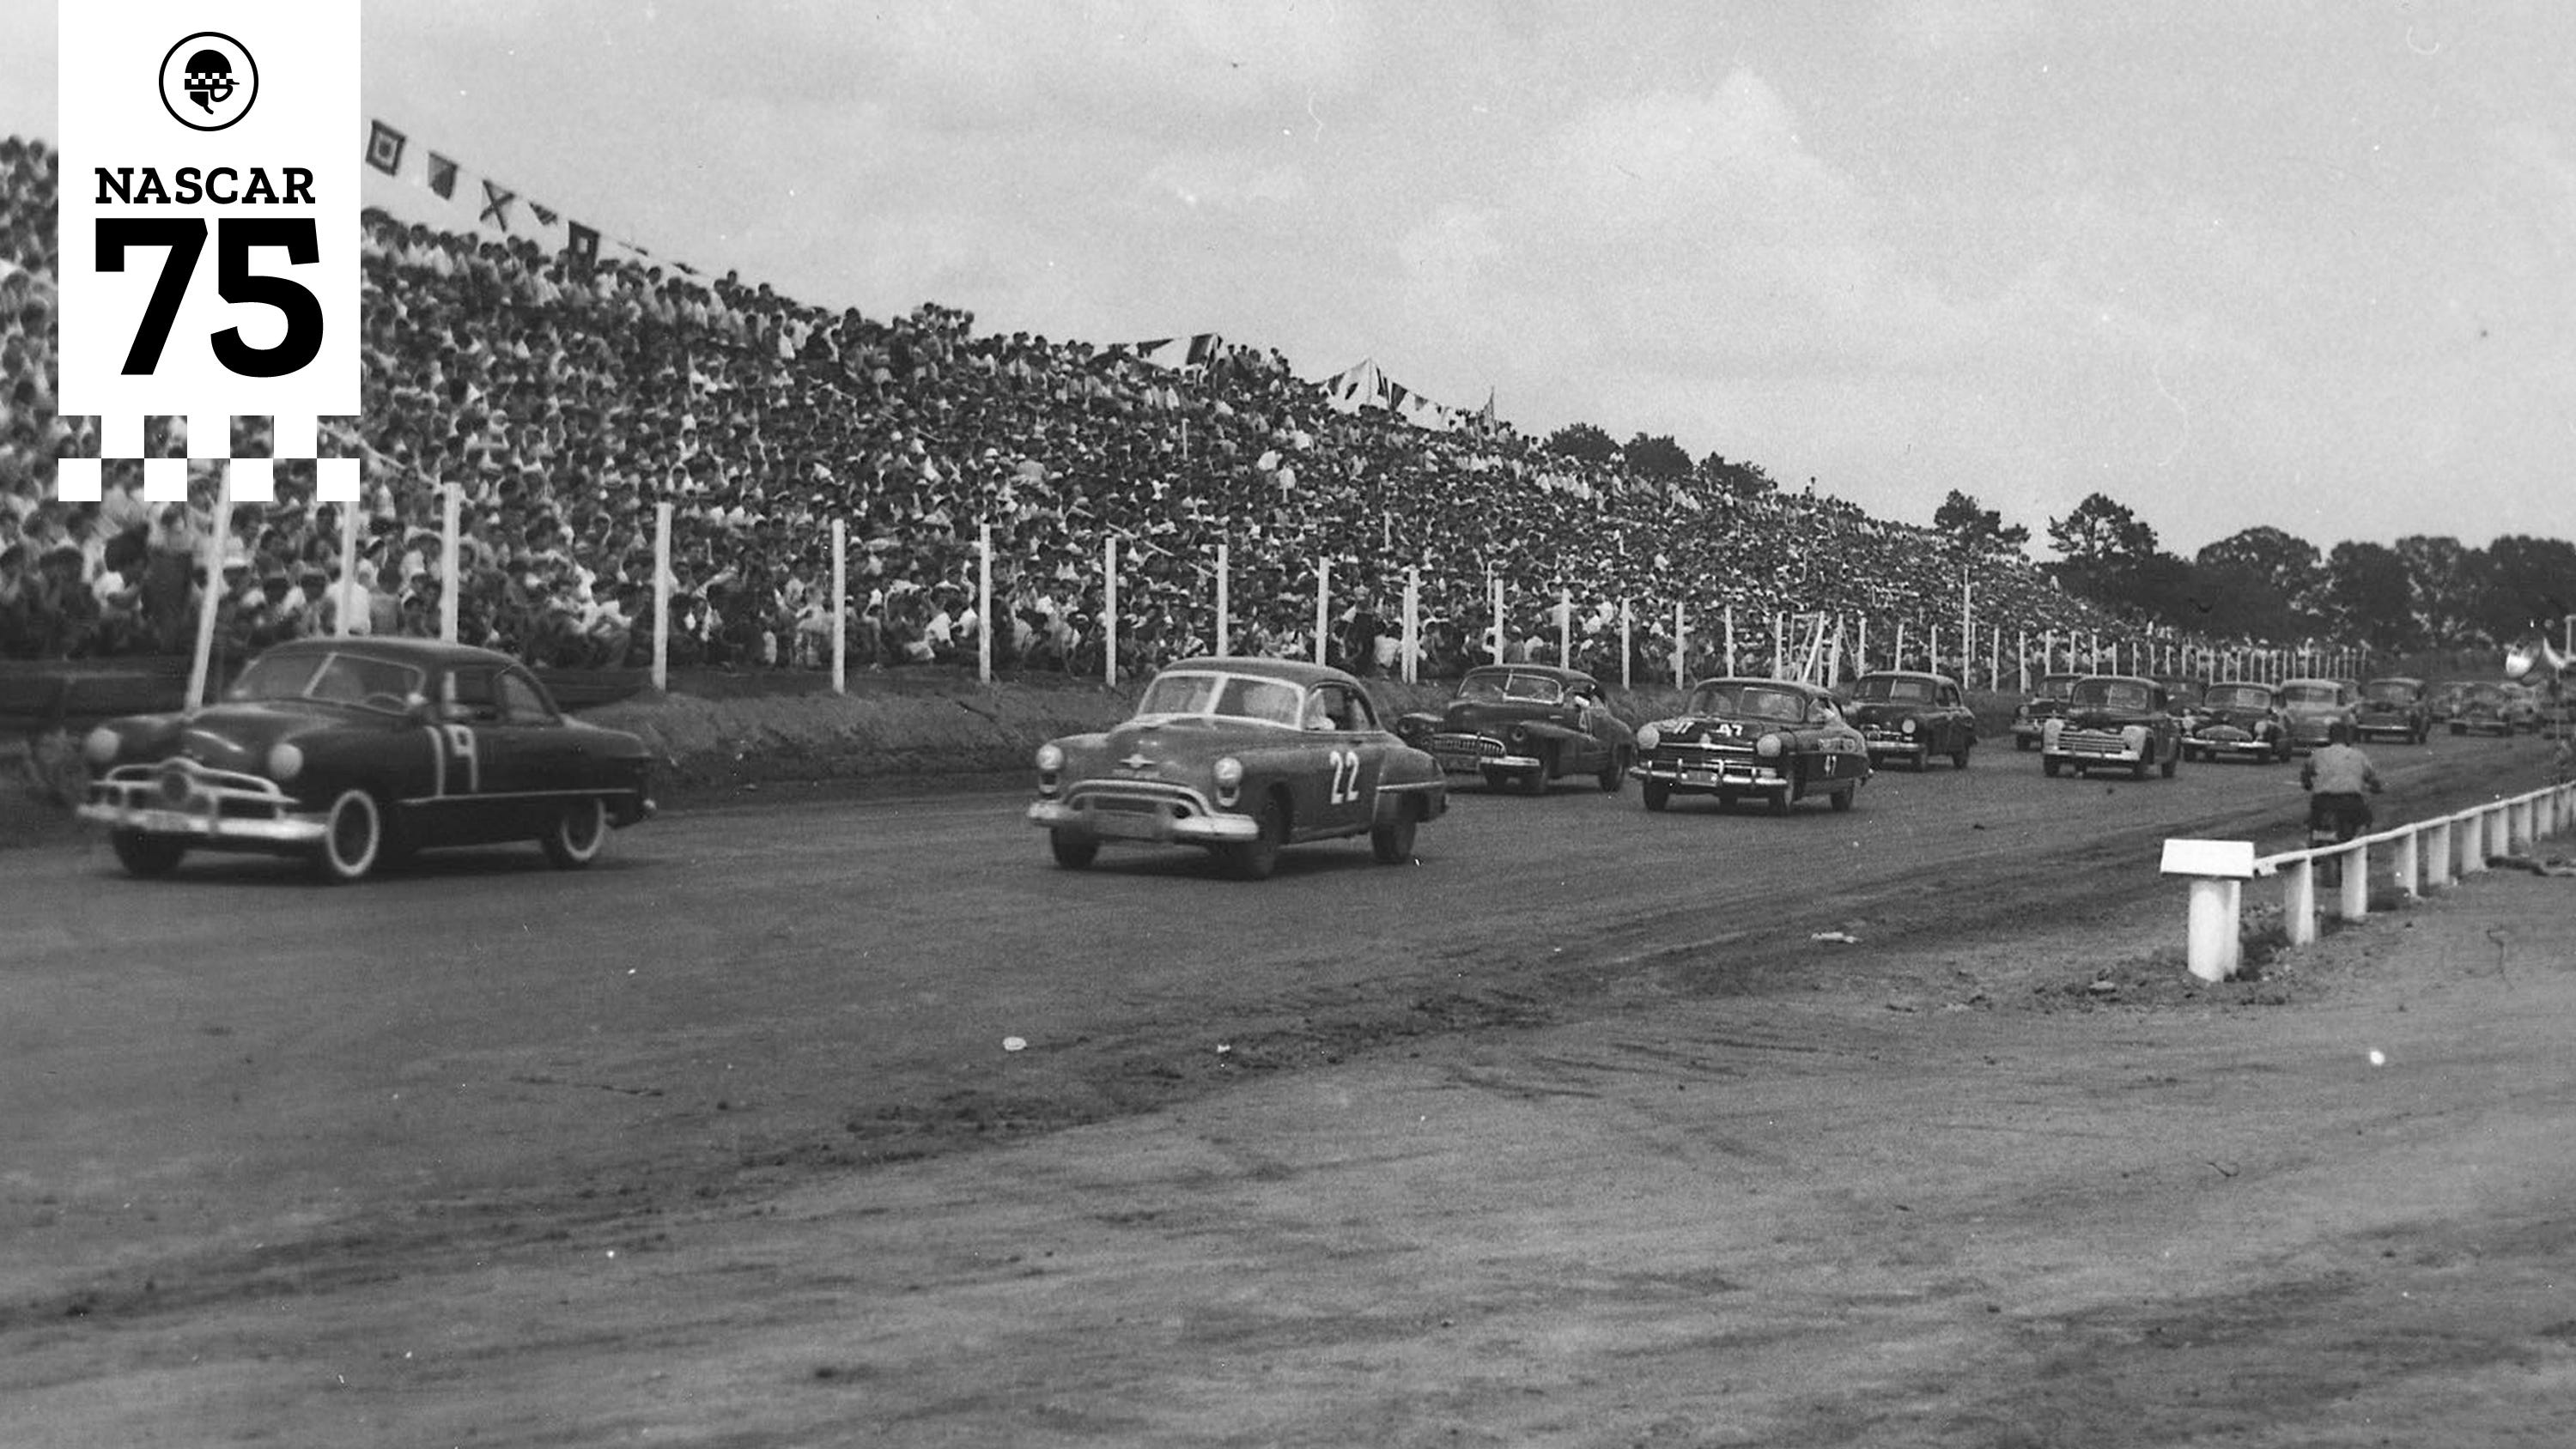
{"x": 1710, "y": 776}
{"x": 211, "y": 812}
{"x": 1151, "y": 819}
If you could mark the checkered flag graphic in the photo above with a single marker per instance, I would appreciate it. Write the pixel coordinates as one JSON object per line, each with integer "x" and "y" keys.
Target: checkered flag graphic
{"x": 210, "y": 439}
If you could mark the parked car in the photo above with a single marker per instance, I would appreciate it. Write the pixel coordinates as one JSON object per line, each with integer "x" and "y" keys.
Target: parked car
{"x": 1775, "y": 738}
{"x": 2113, "y": 719}
{"x": 2396, "y": 706}
{"x": 2236, "y": 719}
{"x": 1902, "y": 714}
{"x": 356, "y": 752}
{"x": 2047, "y": 702}
{"x": 2313, "y": 707}
{"x": 1243, "y": 757}
{"x": 1526, "y": 724}
{"x": 2485, "y": 709}
{"x": 2443, "y": 699}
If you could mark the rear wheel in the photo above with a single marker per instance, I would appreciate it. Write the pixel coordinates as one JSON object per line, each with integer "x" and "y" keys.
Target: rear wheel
{"x": 578, "y": 834}
{"x": 1843, "y": 797}
{"x": 1256, "y": 858}
{"x": 145, "y": 855}
{"x": 1657, "y": 794}
{"x": 352, "y": 836}
{"x": 2049, "y": 765}
{"x": 1391, "y": 839}
{"x": 1073, "y": 852}
{"x": 1534, "y": 782}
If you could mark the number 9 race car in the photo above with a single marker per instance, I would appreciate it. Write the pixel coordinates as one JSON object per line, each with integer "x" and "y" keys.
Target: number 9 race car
{"x": 1241, "y": 756}
{"x": 355, "y": 752}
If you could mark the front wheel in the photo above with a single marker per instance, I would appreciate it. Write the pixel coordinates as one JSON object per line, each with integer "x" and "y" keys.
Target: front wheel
{"x": 1655, "y": 793}
{"x": 1391, "y": 838}
{"x": 1073, "y": 852}
{"x": 578, "y": 834}
{"x": 2049, "y": 766}
{"x": 1843, "y": 798}
{"x": 2024, "y": 742}
{"x": 1959, "y": 756}
{"x": 146, "y": 856}
{"x": 2172, "y": 762}
{"x": 352, "y": 835}
{"x": 1256, "y": 858}
{"x": 1615, "y": 773}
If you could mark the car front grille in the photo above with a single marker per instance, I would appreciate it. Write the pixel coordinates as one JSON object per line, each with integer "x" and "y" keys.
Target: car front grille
{"x": 1459, "y": 742}
{"x": 2105, "y": 743}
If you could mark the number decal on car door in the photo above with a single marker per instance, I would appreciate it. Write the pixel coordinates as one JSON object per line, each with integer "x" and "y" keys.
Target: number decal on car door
{"x": 1345, "y": 788}
{"x": 460, "y": 752}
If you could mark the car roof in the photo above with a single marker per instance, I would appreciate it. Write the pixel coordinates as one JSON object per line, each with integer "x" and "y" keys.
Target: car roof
{"x": 420, "y": 653}
{"x": 2316, "y": 679}
{"x": 1286, "y": 671}
{"x": 2121, "y": 679}
{"x": 1793, "y": 686}
{"x": 1557, "y": 672}
{"x": 2395, "y": 679}
{"x": 1907, "y": 674}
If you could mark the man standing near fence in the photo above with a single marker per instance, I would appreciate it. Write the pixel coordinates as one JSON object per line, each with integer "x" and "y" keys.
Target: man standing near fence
{"x": 2336, "y": 778}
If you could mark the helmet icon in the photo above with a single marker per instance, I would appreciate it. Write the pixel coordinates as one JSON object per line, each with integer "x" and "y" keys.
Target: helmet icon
{"x": 208, "y": 81}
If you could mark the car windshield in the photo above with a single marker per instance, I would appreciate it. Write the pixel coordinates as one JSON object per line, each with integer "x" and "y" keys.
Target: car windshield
{"x": 2110, "y": 694}
{"x": 1880, "y": 687}
{"x": 2239, "y": 696}
{"x": 2057, "y": 686}
{"x": 349, "y": 679}
{"x": 1231, "y": 696}
{"x": 2310, "y": 694}
{"x": 1492, "y": 684}
{"x": 2486, "y": 693}
{"x": 2389, "y": 691}
{"x": 1749, "y": 701}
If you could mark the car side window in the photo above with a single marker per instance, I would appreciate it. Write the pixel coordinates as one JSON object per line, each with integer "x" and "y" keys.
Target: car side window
{"x": 1319, "y": 710}
{"x": 522, "y": 702}
{"x": 465, "y": 697}
{"x": 1359, "y": 715}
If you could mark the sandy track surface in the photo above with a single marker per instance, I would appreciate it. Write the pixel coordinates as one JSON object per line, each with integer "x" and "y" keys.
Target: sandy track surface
{"x": 1571, "y": 1132}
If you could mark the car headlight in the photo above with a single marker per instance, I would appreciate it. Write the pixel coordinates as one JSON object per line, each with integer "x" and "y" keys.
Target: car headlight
{"x": 1229, "y": 780}
{"x": 285, "y": 761}
{"x": 1769, "y": 746}
{"x": 1905, "y": 727}
{"x": 100, "y": 745}
{"x": 1050, "y": 758}
{"x": 1648, "y": 737}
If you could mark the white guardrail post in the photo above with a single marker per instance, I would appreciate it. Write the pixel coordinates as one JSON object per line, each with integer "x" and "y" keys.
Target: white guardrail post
{"x": 2422, "y": 859}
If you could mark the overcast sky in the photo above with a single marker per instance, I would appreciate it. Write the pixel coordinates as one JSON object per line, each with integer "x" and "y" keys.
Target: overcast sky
{"x": 2231, "y": 263}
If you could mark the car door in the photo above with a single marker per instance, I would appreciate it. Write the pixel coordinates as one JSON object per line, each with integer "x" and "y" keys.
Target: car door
{"x": 1354, "y": 758}
{"x": 1824, "y": 765}
{"x": 1592, "y": 751}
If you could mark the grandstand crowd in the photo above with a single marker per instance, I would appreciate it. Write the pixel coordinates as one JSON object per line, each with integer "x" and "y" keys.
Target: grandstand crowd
{"x": 568, "y": 399}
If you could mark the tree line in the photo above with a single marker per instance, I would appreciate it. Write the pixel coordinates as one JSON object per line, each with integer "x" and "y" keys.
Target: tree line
{"x": 2427, "y": 592}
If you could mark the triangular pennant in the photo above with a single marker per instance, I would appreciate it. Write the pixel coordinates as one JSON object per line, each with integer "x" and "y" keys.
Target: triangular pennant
{"x": 545, "y": 215}
{"x": 442, "y": 176}
{"x": 385, "y": 147}
{"x": 496, "y": 205}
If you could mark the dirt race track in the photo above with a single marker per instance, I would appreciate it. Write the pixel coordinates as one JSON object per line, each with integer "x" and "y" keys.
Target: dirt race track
{"x": 1570, "y": 1133}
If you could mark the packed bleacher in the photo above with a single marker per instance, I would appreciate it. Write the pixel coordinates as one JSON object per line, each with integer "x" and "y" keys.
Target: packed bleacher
{"x": 568, "y": 399}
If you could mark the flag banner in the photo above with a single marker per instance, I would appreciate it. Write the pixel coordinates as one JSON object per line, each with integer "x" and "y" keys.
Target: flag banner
{"x": 385, "y": 148}
{"x": 496, "y": 205}
{"x": 442, "y": 176}
{"x": 582, "y": 242}
{"x": 545, "y": 215}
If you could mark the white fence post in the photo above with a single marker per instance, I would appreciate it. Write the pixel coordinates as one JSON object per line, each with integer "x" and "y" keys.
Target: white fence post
{"x": 1627, "y": 631}
{"x": 984, "y": 603}
{"x": 662, "y": 582}
{"x": 1109, "y": 611}
{"x": 348, "y": 568}
{"x": 2408, "y": 866}
{"x": 1413, "y": 625}
{"x": 2438, "y": 860}
{"x": 1224, "y": 605}
{"x": 218, "y": 538}
{"x": 2299, "y": 901}
{"x": 1681, "y": 649}
{"x": 1323, "y": 604}
{"x": 840, "y": 605}
{"x": 2355, "y": 903}
{"x": 451, "y": 590}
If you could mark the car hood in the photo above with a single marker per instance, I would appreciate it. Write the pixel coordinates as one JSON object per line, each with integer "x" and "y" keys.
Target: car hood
{"x": 2111, "y": 717}
{"x": 1718, "y": 728}
{"x": 1886, "y": 711}
{"x": 1173, "y": 747}
{"x": 1472, "y": 714}
{"x": 2241, "y": 716}
{"x": 231, "y": 736}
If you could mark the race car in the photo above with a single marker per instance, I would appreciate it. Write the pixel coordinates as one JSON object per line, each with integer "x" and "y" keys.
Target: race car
{"x": 356, "y": 752}
{"x": 1242, "y": 757}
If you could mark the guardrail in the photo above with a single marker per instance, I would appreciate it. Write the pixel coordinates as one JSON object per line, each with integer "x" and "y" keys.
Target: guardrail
{"x": 2424, "y": 855}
